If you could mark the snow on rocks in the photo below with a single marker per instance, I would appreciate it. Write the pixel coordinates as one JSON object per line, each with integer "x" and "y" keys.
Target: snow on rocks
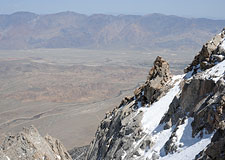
{"x": 211, "y": 53}
{"x": 155, "y": 112}
{"x": 182, "y": 137}
{"x": 216, "y": 72}
{"x": 223, "y": 44}
{"x": 189, "y": 152}
{"x": 159, "y": 136}
{"x": 184, "y": 142}
{"x": 151, "y": 119}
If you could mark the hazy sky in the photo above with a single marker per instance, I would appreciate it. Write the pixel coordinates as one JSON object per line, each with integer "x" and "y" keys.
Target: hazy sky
{"x": 188, "y": 8}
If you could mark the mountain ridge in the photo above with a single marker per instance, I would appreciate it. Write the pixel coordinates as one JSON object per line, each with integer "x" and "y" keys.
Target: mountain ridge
{"x": 26, "y": 30}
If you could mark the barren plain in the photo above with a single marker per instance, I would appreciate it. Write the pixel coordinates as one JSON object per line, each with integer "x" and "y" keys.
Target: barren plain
{"x": 66, "y": 92}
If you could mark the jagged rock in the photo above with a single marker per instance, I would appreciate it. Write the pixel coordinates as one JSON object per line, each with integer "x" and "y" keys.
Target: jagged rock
{"x": 191, "y": 101}
{"x": 122, "y": 127}
{"x": 126, "y": 100}
{"x": 28, "y": 145}
{"x": 108, "y": 143}
{"x": 158, "y": 76}
{"x": 194, "y": 92}
{"x": 174, "y": 113}
{"x": 146, "y": 144}
{"x": 211, "y": 114}
{"x": 208, "y": 56}
{"x": 202, "y": 98}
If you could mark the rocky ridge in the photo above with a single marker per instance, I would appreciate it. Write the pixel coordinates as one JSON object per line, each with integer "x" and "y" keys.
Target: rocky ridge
{"x": 122, "y": 127}
{"x": 170, "y": 117}
{"x": 28, "y": 145}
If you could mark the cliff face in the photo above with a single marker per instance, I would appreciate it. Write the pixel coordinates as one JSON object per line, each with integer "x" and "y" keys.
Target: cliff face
{"x": 170, "y": 117}
{"x": 28, "y": 145}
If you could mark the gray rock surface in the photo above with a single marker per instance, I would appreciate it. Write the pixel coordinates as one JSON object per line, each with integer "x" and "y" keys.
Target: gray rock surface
{"x": 208, "y": 56}
{"x": 78, "y": 152}
{"x": 28, "y": 145}
{"x": 121, "y": 127}
{"x": 155, "y": 85}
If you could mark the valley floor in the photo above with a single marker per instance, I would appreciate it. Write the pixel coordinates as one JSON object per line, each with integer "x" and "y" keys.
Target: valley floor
{"x": 66, "y": 92}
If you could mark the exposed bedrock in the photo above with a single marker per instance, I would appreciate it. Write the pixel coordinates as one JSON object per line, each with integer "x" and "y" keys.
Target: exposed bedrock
{"x": 210, "y": 53}
{"x": 28, "y": 145}
{"x": 122, "y": 127}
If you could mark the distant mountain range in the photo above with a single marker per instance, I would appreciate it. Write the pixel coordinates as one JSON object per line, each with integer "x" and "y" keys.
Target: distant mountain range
{"x": 25, "y": 30}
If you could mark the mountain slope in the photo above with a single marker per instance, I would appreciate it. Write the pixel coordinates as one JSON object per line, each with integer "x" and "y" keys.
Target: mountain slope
{"x": 170, "y": 117}
{"x": 24, "y": 30}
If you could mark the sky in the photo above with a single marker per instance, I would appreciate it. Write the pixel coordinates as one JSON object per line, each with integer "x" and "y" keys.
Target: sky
{"x": 214, "y": 9}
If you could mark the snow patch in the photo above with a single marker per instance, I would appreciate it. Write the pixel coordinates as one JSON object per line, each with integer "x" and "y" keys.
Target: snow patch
{"x": 189, "y": 152}
{"x": 216, "y": 72}
{"x": 58, "y": 157}
{"x": 152, "y": 116}
{"x": 188, "y": 146}
{"x": 185, "y": 142}
{"x": 124, "y": 155}
{"x": 223, "y": 44}
{"x": 155, "y": 112}
{"x": 189, "y": 74}
{"x": 184, "y": 135}
{"x": 159, "y": 138}
{"x": 7, "y": 157}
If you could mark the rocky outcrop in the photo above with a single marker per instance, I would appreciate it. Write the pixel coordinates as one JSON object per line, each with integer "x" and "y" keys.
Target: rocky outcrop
{"x": 211, "y": 54}
{"x": 158, "y": 77}
{"x": 189, "y": 100}
{"x": 211, "y": 114}
{"x": 116, "y": 133}
{"x": 202, "y": 99}
{"x": 121, "y": 128}
{"x": 28, "y": 145}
